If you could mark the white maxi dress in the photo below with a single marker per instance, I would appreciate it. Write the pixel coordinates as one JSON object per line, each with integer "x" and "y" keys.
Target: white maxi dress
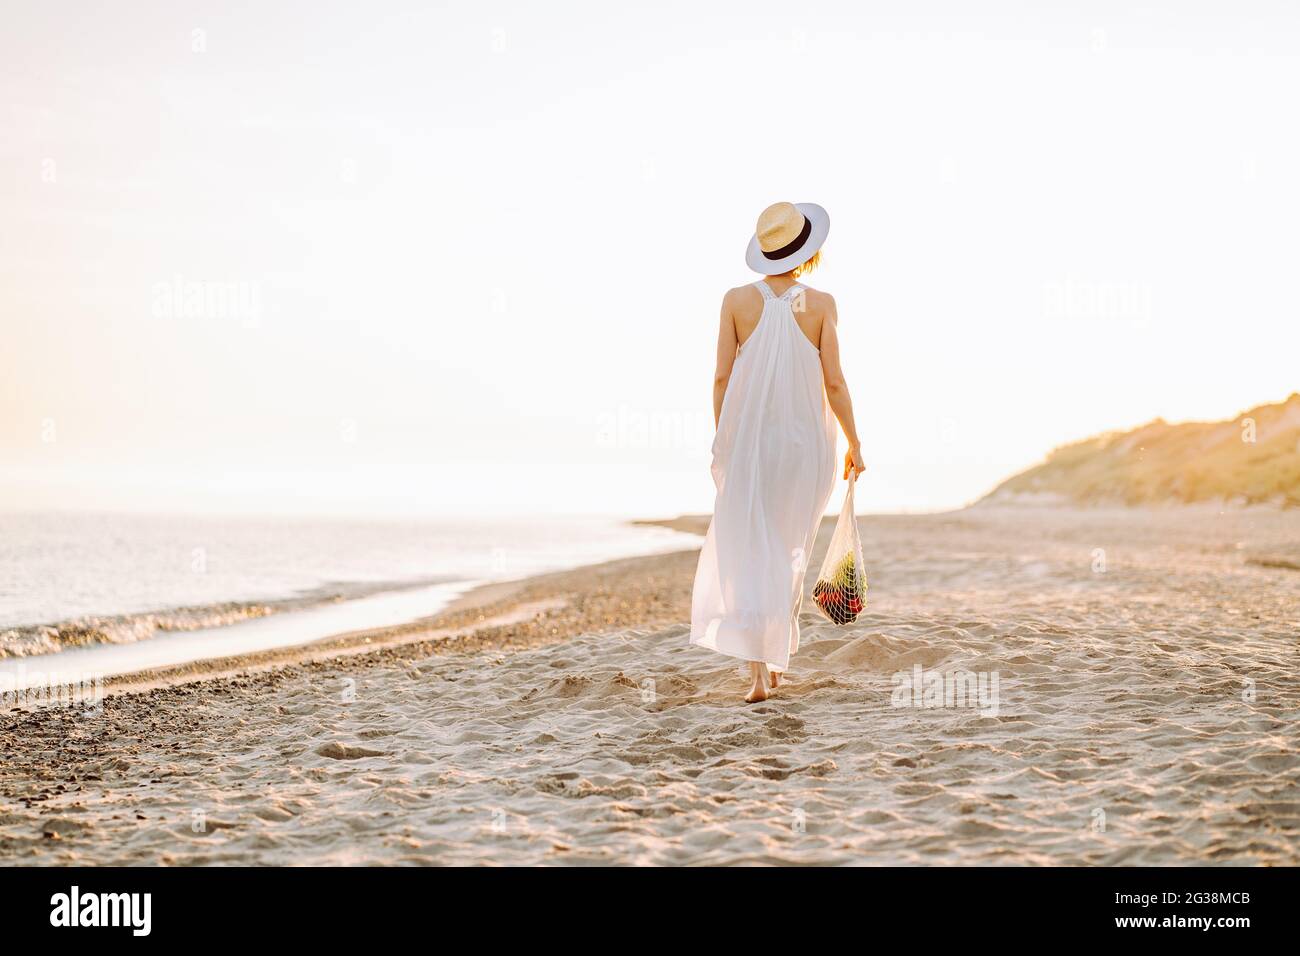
{"x": 774, "y": 468}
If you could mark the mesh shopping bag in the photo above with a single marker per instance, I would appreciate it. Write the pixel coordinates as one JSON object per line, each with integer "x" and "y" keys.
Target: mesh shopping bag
{"x": 841, "y": 588}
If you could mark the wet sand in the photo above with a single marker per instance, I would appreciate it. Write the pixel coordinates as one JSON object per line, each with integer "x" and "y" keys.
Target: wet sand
{"x": 1146, "y": 712}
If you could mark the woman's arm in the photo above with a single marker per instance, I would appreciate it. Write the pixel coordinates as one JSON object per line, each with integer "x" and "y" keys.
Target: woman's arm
{"x": 837, "y": 389}
{"x": 726, "y": 357}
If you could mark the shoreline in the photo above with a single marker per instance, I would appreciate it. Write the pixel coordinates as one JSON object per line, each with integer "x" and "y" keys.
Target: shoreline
{"x": 90, "y": 582}
{"x": 91, "y": 630}
{"x": 492, "y": 606}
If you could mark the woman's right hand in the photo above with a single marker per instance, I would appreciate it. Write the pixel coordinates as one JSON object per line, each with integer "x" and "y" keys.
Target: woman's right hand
{"x": 853, "y": 462}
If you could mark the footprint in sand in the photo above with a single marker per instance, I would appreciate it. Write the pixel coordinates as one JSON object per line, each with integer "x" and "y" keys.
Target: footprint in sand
{"x": 55, "y": 827}
{"x": 337, "y": 751}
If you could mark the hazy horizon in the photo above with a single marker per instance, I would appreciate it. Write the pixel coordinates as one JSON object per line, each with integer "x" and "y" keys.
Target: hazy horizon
{"x": 343, "y": 514}
{"x": 437, "y": 260}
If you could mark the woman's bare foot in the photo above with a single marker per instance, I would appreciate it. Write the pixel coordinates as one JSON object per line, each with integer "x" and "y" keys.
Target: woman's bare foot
{"x": 776, "y": 679}
{"x": 758, "y": 692}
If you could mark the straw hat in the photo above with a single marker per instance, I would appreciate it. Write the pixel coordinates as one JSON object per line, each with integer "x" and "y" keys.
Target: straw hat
{"x": 788, "y": 235}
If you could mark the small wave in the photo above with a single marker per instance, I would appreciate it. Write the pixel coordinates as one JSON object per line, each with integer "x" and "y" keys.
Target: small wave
{"x": 121, "y": 629}
{"x": 32, "y": 639}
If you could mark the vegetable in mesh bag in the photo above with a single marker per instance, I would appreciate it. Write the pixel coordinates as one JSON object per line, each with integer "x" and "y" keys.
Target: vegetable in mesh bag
{"x": 841, "y": 588}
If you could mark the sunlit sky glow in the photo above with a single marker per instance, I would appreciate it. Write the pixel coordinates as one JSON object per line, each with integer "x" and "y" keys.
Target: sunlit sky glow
{"x": 486, "y": 243}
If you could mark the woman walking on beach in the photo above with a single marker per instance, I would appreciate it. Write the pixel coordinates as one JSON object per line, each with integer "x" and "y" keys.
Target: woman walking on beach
{"x": 777, "y": 393}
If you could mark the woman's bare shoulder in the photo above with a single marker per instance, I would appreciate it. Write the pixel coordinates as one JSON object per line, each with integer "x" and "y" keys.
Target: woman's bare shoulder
{"x": 741, "y": 295}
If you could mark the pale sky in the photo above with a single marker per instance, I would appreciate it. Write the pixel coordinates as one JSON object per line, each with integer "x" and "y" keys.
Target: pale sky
{"x": 471, "y": 255}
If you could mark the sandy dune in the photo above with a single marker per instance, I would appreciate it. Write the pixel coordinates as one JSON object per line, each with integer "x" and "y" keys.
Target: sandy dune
{"x": 1146, "y": 713}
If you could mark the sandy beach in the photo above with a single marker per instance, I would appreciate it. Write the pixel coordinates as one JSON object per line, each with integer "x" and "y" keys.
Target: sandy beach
{"x": 1140, "y": 706}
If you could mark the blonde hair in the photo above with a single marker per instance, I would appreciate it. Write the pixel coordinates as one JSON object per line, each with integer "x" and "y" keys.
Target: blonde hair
{"x": 806, "y": 267}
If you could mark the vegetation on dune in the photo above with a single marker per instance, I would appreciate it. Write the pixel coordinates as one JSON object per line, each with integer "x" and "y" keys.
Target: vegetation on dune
{"x": 1252, "y": 459}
